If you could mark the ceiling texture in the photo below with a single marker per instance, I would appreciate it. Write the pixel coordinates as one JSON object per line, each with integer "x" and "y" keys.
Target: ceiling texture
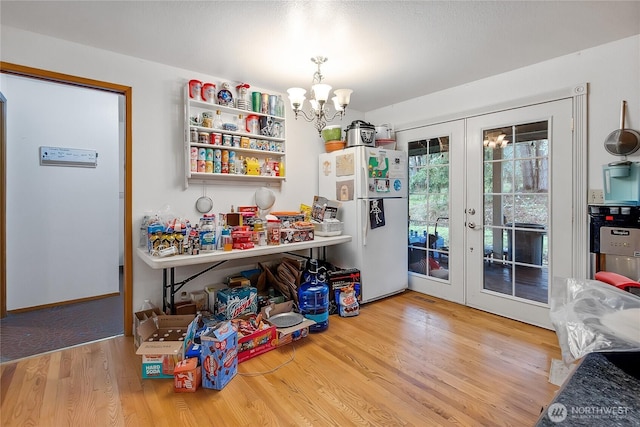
{"x": 386, "y": 51}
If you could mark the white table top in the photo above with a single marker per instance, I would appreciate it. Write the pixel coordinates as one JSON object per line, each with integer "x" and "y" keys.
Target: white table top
{"x": 211, "y": 257}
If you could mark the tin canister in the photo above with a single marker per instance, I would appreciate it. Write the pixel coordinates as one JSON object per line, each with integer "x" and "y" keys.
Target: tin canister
{"x": 264, "y": 105}
{"x": 244, "y": 142}
{"x": 273, "y": 102}
{"x": 253, "y": 144}
{"x": 227, "y": 140}
{"x": 193, "y": 137}
{"x": 203, "y": 138}
{"x": 202, "y": 153}
{"x": 225, "y": 161}
{"x": 208, "y": 166}
{"x": 217, "y": 166}
{"x": 232, "y": 162}
{"x": 209, "y": 155}
{"x": 216, "y": 138}
{"x": 201, "y": 165}
{"x": 194, "y": 153}
{"x": 256, "y": 100}
{"x": 236, "y": 141}
{"x": 194, "y": 165}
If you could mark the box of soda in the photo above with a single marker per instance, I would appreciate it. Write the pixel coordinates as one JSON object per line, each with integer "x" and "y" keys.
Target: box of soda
{"x": 235, "y": 302}
{"x": 219, "y": 355}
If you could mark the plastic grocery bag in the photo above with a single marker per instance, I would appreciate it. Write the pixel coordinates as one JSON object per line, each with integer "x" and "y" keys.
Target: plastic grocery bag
{"x": 589, "y": 316}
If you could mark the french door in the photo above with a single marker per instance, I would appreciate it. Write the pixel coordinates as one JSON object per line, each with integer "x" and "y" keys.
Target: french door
{"x": 436, "y": 193}
{"x": 518, "y": 209}
{"x": 490, "y": 208}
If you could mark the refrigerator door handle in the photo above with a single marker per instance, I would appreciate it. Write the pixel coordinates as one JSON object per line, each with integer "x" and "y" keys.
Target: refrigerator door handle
{"x": 364, "y": 174}
{"x": 365, "y": 222}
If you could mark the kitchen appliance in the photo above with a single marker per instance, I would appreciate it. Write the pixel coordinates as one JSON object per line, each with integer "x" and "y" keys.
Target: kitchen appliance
{"x": 621, "y": 183}
{"x": 371, "y": 185}
{"x": 615, "y": 240}
{"x": 384, "y": 132}
{"x": 360, "y": 132}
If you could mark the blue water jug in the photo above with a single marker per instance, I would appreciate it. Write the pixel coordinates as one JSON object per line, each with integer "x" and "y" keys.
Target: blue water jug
{"x": 313, "y": 298}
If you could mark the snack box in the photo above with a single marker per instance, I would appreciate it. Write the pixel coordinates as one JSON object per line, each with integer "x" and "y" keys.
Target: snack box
{"x": 254, "y": 343}
{"x": 235, "y": 302}
{"x": 297, "y": 233}
{"x": 161, "y": 344}
{"x": 288, "y": 218}
{"x": 187, "y": 376}
{"x": 293, "y": 333}
{"x": 340, "y": 279}
{"x": 219, "y": 355}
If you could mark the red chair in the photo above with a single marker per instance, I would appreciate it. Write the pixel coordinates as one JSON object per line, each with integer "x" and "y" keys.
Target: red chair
{"x": 617, "y": 280}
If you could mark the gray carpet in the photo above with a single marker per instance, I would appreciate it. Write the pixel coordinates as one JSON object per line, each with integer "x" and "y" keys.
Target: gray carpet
{"x": 39, "y": 331}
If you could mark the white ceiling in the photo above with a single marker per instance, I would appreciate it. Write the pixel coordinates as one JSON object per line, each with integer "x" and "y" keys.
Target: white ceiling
{"x": 387, "y": 51}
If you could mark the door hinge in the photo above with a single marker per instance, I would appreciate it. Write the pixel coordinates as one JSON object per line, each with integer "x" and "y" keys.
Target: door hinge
{"x": 572, "y": 123}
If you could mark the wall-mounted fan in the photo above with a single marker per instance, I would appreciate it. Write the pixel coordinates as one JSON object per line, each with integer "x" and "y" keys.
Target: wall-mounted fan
{"x": 265, "y": 198}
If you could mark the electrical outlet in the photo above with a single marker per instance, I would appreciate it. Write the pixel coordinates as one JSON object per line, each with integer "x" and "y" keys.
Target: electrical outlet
{"x": 596, "y": 197}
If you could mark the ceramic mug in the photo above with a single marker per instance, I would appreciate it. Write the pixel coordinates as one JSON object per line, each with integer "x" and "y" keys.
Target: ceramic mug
{"x": 209, "y": 93}
{"x": 195, "y": 87}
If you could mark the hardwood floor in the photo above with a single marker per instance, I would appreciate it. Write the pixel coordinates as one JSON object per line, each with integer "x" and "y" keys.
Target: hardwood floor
{"x": 406, "y": 360}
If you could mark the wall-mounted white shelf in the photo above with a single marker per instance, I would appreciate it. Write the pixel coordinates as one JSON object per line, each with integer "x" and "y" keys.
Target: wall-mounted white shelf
{"x": 229, "y": 115}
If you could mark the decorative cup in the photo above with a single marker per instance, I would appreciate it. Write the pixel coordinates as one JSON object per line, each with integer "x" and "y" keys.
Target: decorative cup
{"x": 256, "y": 101}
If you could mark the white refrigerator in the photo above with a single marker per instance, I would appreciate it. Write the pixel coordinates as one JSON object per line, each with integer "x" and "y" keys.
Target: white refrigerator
{"x": 371, "y": 185}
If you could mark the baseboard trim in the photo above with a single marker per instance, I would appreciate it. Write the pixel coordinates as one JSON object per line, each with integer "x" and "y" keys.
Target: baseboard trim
{"x": 62, "y": 303}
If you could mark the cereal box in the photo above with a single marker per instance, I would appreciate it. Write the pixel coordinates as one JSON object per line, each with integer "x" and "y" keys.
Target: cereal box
{"x": 187, "y": 376}
{"x": 219, "y": 355}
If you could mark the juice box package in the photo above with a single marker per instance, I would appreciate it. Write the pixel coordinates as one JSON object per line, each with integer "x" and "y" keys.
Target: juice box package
{"x": 219, "y": 355}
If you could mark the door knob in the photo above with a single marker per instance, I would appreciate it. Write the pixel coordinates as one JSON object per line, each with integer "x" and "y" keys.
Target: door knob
{"x": 472, "y": 224}
{"x": 471, "y": 211}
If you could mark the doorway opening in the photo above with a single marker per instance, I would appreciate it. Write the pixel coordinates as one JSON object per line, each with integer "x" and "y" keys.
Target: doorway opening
{"x": 125, "y": 273}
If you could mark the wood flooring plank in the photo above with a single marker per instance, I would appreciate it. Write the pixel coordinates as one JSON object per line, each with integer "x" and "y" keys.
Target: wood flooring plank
{"x": 409, "y": 360}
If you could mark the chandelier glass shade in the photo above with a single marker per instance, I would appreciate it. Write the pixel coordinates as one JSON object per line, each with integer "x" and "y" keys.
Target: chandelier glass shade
{"x": 320, "y": 112}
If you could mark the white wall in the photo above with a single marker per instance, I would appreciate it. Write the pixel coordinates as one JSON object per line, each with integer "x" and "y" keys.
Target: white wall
{"x": 60, "y": 219}
{"x": 157, "y": 139}
{"x": 612, "y": 71}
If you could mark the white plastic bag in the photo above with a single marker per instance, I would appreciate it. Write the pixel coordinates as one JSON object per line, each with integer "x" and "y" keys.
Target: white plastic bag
{"x": 589, "y": 316}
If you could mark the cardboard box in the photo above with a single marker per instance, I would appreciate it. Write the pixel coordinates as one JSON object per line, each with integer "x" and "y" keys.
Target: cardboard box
{"x": 298, "y": 234}
{"x": 340, "y": 279}
{"x": 200, "y": 299}
{"x": 293, "y": 333}
{"x": 257, "y": 343}
{"x": 142, "y": 316}
{"x": 236, "y": 302}
{"x": 323, "y": 208}
{"x": 219, "y": 356}
{"x": 211, "y": 291}
{"x": 187, "y": 376}
{"x": 161, "y": 344}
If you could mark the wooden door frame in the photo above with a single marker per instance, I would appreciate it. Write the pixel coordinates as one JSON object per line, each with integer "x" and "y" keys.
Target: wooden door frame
{"x": 20, "y": 70}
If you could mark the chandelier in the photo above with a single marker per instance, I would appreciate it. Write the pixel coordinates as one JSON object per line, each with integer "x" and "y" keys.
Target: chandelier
{"x": 319, "y": 113}
{"x": 495, "y": 140}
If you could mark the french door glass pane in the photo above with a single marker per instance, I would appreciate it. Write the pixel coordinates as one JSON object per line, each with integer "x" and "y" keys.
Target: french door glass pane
{"x": 429, "y": 204}
{"x": 516, "y": 210}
